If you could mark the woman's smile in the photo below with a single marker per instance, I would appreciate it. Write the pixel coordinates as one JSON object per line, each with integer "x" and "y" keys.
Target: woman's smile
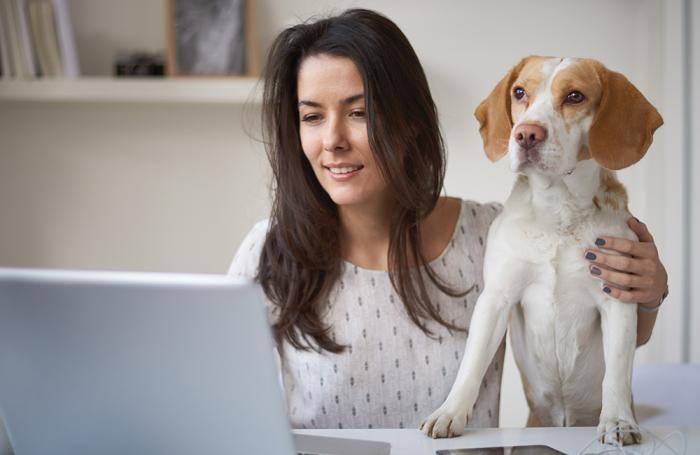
{"x": 343, "y": 172}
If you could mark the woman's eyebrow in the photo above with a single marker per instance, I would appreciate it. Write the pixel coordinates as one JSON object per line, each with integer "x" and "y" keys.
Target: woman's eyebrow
{"x": 308, "y": 103}
{"x": 348, "y": 100}
{"x": 353, "y": 98}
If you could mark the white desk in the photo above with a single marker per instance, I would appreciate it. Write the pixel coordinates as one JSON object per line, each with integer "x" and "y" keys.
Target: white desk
{"x": 567, "y": 440}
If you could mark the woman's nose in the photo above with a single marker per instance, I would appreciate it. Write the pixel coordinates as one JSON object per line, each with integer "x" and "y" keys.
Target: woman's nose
{"x": 335, "y": 136}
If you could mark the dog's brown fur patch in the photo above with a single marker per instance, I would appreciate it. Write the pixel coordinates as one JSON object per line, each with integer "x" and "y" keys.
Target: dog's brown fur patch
{"x": 611, "y": 194}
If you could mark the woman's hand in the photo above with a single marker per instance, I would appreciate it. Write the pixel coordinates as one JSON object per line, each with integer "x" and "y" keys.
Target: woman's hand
{"x": 637, "y": 276}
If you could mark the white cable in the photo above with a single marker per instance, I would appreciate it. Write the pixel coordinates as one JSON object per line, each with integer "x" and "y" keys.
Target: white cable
{"x": 618, "y": 448}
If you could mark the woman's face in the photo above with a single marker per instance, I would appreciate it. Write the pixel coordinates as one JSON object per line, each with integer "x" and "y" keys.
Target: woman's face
{"x": 333, "y": 130}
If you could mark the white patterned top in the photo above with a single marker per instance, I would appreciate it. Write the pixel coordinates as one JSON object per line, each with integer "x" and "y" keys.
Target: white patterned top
{"x": 391, "y": 375}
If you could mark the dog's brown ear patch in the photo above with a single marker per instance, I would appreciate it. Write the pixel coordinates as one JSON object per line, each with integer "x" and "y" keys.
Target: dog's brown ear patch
{"x": 624, "y": 123}
{"x": 494, "y": 117}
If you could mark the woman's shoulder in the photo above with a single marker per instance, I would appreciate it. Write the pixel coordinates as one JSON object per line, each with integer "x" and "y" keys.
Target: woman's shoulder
{"x": 245, "y": 261}
{"x": 479, "y": 215}
{"x": 471, "y": 232}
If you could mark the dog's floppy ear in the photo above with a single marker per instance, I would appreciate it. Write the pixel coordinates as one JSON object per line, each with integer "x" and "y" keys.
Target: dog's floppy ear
{"x": 624, "y": 122}
{"x": 494, "y": 117}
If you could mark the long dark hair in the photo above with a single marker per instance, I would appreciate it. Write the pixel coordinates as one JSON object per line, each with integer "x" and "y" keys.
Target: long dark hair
{"x": 300, "y": 260}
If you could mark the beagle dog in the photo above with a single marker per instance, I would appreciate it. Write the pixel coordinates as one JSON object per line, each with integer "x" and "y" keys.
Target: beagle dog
{"x": 566, "y": 124}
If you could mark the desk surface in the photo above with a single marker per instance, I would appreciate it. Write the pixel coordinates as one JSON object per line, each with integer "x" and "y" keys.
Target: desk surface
{"x": 568, "y": 440}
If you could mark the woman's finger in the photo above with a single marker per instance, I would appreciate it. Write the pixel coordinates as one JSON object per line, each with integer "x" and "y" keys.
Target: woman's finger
{"x": 622, "y": 280}
{"x": 626, "y": 295}
{"x": 628, "y": 247}
{"x": 621, "y": 263}
{"x": 640, "y": 229}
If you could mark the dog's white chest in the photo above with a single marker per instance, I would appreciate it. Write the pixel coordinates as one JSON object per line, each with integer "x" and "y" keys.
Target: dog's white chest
{"x": 557, "y": 301}
{"x": 557, "y": 323}
{"x": 557, "y": 295}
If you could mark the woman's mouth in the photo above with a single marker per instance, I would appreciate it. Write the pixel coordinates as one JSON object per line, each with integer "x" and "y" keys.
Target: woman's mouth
{"x": 344, "y": 172}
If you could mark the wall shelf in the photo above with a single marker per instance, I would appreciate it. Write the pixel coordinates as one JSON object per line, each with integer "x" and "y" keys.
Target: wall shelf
{"x": 133, "y": 90}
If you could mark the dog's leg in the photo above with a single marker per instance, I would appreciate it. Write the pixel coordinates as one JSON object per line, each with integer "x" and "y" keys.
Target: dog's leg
{"x": 488, "y": 325}
{"x": 619, "y": 326}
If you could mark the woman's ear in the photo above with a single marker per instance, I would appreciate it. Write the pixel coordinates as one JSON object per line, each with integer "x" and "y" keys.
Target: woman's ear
{"x": 494, "y": 117}
{"x": 624, "y": 123}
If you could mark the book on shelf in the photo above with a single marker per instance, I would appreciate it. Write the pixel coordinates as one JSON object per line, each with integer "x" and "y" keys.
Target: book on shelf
{"x": 26, "y": 49}
{"x": 36, "y": 39}
{"x": 50, "y": 38}
{"x": 35, "y": 28}
{"x": 5, "y": 68}
{"x": 9, "y": 27}
{"x": 66, "y": 39}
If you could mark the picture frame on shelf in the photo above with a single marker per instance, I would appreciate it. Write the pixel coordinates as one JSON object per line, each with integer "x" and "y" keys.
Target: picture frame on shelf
{"x": 211, "y": 38}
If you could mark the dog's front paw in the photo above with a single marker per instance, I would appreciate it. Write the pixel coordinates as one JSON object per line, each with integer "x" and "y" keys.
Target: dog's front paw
{"x": 445, "y": 422}
{"x": 618, "y": 432}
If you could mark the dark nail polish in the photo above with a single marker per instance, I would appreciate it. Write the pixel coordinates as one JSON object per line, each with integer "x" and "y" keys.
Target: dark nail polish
{"x": 590, "y": 256}
{"x": 599, "y": 242}
{"x": 595, "y": 270}
{"x": 606, "y": 290}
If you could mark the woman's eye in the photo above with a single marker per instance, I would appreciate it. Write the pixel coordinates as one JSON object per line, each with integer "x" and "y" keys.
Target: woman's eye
{"x": 310, "y": 118}
{"x": 574, "y": 97}
{"x": 357, "y": 114}
{"x": 518, "y": 93}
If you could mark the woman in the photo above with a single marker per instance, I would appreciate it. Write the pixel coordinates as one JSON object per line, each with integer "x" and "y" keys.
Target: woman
{"x": 370, "y": 275}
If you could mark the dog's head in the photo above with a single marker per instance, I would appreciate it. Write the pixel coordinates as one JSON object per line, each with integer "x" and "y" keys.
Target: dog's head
{"x": 550, "y": 113}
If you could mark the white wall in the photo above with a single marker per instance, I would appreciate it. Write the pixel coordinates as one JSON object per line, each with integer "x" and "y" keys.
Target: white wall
{"x": 136, "y": 187}
{"x": 175, "y": 188}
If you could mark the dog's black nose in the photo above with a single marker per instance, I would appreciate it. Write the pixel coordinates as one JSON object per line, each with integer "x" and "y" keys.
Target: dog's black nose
{"x": 529, "y": 135}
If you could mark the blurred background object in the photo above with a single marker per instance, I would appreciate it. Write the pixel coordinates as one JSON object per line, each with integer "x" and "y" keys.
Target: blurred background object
{"x": 139, "y": 64}
{"x": 207, "y": 38}
{"x": 37, "y": 40}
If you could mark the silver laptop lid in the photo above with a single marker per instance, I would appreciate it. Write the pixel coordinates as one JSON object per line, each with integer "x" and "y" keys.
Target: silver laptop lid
{"x": 115, "y": 363}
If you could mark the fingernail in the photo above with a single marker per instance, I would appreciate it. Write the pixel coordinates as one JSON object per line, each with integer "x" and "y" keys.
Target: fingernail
{"x": 606, "y": 290}
{"x": 599, "y": 242}
{"x": 595, "y": 270}
{"x": 590, "y": 256}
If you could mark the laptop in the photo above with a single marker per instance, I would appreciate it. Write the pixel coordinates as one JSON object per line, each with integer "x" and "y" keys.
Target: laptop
{"x": 139, "y": 363}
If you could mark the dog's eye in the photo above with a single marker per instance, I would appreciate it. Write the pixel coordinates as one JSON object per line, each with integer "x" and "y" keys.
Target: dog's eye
{"x": 518, "y": 93}
{"x": 574, "y": 97}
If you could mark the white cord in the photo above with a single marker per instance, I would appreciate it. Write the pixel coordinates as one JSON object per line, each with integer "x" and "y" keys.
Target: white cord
{"x": 618, "y": 448}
